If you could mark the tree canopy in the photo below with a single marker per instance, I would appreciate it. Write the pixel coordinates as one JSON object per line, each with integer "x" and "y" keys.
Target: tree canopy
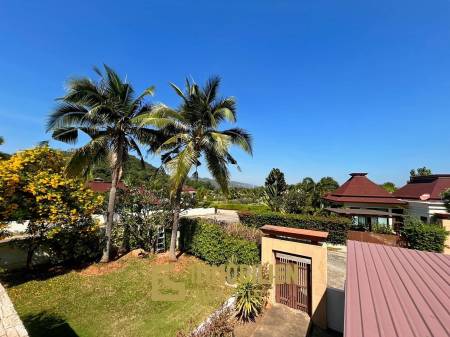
{"x": 421, "y": 171}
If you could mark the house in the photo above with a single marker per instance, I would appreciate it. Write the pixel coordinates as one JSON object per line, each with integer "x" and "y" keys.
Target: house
{"x": 394, "y": 292}
{"x": 189, "y": 190}
{"x": 423, "y": 195}
{"x": 366, "y": 202}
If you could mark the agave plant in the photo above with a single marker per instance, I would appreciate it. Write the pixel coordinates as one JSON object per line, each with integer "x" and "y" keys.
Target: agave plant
{"x": 249, "y": 300}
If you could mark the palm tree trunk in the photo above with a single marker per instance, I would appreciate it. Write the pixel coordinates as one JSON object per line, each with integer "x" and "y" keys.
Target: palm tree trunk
{"x": 110, "y": 213}
{"x": 176, "y": 221}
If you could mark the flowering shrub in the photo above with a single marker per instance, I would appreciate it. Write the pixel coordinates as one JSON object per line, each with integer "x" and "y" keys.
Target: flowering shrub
{"x": 33, "y": 186}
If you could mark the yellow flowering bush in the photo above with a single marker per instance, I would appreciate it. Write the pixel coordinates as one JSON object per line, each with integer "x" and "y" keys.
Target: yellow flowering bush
{"x": 33, "y": 186}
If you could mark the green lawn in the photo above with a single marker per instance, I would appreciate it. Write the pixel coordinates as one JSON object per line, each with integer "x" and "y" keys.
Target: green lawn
{"x": 117, "y": 303}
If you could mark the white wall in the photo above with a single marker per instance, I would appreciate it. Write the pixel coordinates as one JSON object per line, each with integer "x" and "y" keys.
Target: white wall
{"x": 426, "y": 209}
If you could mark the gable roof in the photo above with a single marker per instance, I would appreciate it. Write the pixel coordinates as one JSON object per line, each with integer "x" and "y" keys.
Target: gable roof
{"x": 433, "y": 185}
{"x": 393, "y": 292}
{"x": 361, "y": 189}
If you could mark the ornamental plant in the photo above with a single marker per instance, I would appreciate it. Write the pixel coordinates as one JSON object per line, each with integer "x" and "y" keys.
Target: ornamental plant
{"x": 34, "y": 187}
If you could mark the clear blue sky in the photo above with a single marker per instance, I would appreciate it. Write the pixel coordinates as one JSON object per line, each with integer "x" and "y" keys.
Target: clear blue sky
{"x": 325, "y": 87}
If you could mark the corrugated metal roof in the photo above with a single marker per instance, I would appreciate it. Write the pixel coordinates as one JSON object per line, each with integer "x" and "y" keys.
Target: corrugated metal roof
{"x": 393, "y": 291}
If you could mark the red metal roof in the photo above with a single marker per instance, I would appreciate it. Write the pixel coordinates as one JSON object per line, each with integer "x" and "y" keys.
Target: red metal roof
{"x": 393, "y": 291}
{"x": 360, "y": 189}
{"x": 433, "y": 185}
{"x": 103, "y": 186}
{"x": 296, "y": 233}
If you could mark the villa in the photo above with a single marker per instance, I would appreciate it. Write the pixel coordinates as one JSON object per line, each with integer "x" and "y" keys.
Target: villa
{"x": 369, "y": 204}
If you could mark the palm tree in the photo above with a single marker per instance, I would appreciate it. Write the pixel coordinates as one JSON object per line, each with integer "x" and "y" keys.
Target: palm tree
{"x": 191, "y": 133}
{"x": 107, "y": 111}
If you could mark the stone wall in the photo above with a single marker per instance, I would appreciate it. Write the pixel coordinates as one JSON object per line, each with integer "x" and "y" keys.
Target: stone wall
{"x": 10, "y": 323}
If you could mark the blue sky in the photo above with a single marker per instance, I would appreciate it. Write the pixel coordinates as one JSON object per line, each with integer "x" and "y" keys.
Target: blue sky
{"x": 325, "y": 87}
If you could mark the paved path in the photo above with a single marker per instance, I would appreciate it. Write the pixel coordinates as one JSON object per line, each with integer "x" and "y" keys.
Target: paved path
{"x": 10, "y": 323}
{"x": 223, "y": 215}
{"x": 278, "y": 321}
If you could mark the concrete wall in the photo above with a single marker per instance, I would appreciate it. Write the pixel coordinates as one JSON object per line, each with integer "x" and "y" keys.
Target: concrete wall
{"x": 335, "y": 309}
{"x": 10, "y": 323}
{"x": 318, "y": 256}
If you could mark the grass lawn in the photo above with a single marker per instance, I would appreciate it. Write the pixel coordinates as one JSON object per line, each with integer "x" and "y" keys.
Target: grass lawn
{"x": 241, "y": 207}
{"x": 116, "y": 301}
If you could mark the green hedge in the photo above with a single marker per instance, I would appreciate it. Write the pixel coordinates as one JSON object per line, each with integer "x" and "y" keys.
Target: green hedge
{"x": 209, "y": 242}
{"x": 337, "y": 227}
{"x": 428, "y": 237}
{"x": 241, "y": 207}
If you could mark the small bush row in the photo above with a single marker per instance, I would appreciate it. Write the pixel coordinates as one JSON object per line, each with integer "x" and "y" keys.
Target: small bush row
{"x": 241, "y": 207}
{"x": 209, "y": 242}
{"x": 428, "y": 237}
{"x": 337, "y": 227}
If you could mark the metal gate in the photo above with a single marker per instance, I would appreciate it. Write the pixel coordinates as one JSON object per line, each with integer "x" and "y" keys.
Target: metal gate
{"x": 293, "y": 290}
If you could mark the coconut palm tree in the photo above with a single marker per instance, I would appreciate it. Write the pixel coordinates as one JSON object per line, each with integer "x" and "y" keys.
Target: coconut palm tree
{"x": 105, "y": 110}
{"x": 191, "y": 134}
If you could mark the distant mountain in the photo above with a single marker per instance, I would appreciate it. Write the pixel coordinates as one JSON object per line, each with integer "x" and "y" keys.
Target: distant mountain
{"x": 237, "y": 184}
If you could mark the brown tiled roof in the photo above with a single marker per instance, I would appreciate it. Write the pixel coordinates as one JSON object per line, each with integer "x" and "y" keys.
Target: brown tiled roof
{"x": 393, "y": 292}
{"x": 360, "y": 189}
{"x": 432, "y": 185}
{"x": 103, "y": 186}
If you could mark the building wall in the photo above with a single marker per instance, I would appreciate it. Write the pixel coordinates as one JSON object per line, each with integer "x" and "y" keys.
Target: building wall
{"x": 318, "y": 256}
{"x": 446, "y": 225}
{"x": 426, "y": 209}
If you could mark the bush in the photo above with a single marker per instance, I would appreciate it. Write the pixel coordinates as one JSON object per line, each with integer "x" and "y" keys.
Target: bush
{"x": 209, "y": 242}
{"x": 429, "y": 237}
{"x": 78, "y": 243}
{"x": 337, "y": 227}
{"x": 249, "y": 300}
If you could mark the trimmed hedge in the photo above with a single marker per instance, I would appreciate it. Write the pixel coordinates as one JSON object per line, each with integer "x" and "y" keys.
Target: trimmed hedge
{"x": 337, "y": 227}
{"x": 428, "y": 237}
{"x": 241, "y": 207}
{"x": 209, "y": 242}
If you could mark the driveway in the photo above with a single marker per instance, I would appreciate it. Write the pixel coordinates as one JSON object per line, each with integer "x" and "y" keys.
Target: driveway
{"x": 222, "y": 215}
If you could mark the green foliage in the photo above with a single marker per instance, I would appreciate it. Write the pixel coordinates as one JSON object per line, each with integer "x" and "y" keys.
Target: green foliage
{"x": 276, "y": 178}
{"x": 209, "y": 242}
{"x": 389, "y": 187}
{"x": 141, "y": 212}
{"x": 337, "y": 227}
{"x": 381, "y": 229}
{"x": 249, "y": 300}
{"x": 446, "y": 199}
{"x": 240, "y": 207}
{"x": 78, "y": 243}
{"x": 421, "y": 171}
{"x": 428, "y": 237}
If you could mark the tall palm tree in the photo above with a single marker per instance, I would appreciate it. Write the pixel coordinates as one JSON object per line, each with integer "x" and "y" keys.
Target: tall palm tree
{"x": 191, "y": 133}
{"x": 107, "y": 111}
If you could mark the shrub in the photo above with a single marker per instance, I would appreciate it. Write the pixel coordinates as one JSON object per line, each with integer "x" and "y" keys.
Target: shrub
{"x": 249, "y": 300}
{"x": 221, "y": 325}
{"x": 429, "y": 237}
{"x": 241, "y": 231}
{"x": 337, "y": 227}
{"x": 209, "y": 242}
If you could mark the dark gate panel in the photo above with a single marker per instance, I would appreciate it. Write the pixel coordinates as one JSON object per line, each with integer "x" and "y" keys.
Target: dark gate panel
{"x": 295, "y": 293}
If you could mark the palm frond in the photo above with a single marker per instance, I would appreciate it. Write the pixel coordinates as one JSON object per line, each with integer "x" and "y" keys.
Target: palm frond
{"x": 241, "y": 138}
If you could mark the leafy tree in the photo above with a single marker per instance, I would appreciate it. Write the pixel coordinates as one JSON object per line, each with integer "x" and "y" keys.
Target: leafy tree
{"x": 390, "y": 187}
{"x": 2, "y": 140}
{"x": 327, "y": 185}
{"x": 2, "y": 154}
{"x": 34, "y": 187}
{"x": 276, "y": 177}
{"x": 421, "y": 171}
{"x": 192, "y": 133}
{"x": 107, "y": 111}
{"x": 446, "y": 198}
